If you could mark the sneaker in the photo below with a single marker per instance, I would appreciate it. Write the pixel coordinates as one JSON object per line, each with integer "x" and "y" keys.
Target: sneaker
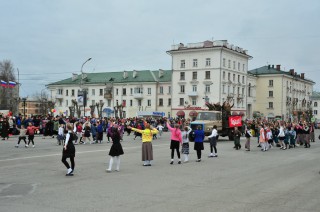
{"x": 69, "y": 174}
{"x": 185, "y": 161}
{"x": 215, "y": 156}
{"x": 248, "y": 150}
{"x": 16, "y": 146}
{"x": 117, "y": 170}
{"x": 171, "y": 162}
{"x": 198, "y": 160}
{"x": 179, "y": 162}
{"x": 108, "y": 170}
{"x": 32, "y": 146}
{"x": 26, "y": 145}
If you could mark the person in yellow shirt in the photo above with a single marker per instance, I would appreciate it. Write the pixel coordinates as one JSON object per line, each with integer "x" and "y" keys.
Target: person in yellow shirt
{"x": 147, "y": 135}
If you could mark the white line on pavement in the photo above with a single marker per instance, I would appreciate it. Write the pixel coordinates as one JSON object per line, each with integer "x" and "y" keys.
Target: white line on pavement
{"x": 101, "y": 150}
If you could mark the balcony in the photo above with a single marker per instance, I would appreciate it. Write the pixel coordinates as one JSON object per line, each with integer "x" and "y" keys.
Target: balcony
{"x": 59, "y": 96}
{"x": 108, "y": 95}
{"x": 193, "y": 93}
{"x": 138, "y": 95}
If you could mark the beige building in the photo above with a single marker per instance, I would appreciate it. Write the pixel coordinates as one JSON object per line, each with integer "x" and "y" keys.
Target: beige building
{"x": 281, "y": 94}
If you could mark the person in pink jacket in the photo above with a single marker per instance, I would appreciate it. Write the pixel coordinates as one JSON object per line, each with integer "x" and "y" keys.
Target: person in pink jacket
{"x": 176, "y": 139}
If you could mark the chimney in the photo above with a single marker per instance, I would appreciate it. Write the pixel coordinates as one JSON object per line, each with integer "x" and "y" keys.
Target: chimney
{"x": 161, "y": 73}
{"x": 302, "y": 75}
{"x": 125, "y": 74}
{"x": 291, "y": 72}
{"x": 134, "y": 74}
{"x": 278, "y": 67}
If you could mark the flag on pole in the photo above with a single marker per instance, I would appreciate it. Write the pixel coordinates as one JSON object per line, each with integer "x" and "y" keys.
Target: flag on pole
{"x": 12, "y": 84}
{"x": 3, "y": 83}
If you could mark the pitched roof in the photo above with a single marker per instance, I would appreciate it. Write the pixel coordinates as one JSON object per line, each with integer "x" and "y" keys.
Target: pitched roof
{"x": 118, "y": 77}
{"x": 265, "y": 70}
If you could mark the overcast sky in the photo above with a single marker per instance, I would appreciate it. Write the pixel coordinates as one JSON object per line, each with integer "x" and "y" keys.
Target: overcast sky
{"x": 48, "y": 40}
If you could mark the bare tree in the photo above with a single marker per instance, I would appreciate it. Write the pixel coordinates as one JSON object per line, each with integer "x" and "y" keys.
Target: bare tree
{"x": 9, "y": 96}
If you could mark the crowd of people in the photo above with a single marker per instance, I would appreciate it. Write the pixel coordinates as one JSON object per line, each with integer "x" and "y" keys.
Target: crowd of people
{"x": 73, "y": 131}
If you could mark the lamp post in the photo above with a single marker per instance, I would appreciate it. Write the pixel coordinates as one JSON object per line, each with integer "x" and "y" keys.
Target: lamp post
{"x": 24, "y": 106}
{"x": 84, "y": 92}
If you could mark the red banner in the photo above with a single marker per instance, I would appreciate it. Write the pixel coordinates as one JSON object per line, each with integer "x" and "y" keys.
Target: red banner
{"x": 235, "y": 121}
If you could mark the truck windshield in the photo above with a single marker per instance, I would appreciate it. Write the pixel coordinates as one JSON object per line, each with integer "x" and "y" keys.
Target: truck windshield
{"x": 208, "y": 116}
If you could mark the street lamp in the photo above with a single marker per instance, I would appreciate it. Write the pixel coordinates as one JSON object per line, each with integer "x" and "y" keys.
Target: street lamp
{"x": 24, "y": 106}
{"x": 84, "y": 92}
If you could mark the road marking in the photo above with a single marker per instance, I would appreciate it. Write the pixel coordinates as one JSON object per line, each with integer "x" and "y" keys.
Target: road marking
{"x": 43, "y": 156}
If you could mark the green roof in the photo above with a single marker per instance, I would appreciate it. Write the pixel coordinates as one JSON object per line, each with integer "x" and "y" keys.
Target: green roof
{"x": 265, "y": 70}
{"x": 117, "y": 77}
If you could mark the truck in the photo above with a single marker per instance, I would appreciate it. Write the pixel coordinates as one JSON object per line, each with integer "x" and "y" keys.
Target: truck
{"x": 219, "y": 116}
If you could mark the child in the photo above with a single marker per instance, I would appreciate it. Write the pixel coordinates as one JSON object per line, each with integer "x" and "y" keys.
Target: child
{"x": 30, "y": 131}
{"x": 69, "y": 151}
{"x": 60, "y": 136}
{"x": 185, "y": 143}
{"x": 22, "y": 136}
{"x": 292, "y": 135}
{"x": 269, "y": 138}
{"x": 248, "y": 135}
{"x": 116, "y": 149}
{"x": 213, "y": 142}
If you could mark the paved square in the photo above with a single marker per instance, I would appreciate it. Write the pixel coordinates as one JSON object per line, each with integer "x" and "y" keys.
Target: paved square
{"x": 33, "y": 179}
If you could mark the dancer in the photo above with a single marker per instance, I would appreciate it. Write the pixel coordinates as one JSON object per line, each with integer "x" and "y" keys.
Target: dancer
{"x": 281, "y": 136}
{"x": 116, "y": 149}
{"x": 198, "y": 141}
{"x": 60, "y": 136}
{"x": 30, "y": 132}
{"x": 69, "y": 151}
{"x": 176, "y": 139}
{"x": 22, "y": 136}
{"x": 237, "y": 135}
{"x": 185, "y": 143}
{"x": 248, "y": 135}
{"x": 213, "y": 142}
{"x": 147, "y": 134}
{"x": 262, "y": 139}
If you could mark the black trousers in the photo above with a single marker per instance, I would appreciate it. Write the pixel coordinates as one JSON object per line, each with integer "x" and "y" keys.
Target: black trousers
{"x": 199, "y": 153}
{"x": 64, "y": 161}
{"x": 172, "y": 153}
{"x": 213, "y": 147}
{"x": 30, "y": 138}
{"x": 22, "y": 138}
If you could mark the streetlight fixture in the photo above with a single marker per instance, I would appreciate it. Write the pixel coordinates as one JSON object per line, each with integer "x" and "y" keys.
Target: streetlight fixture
{"x": 84, "y": 92}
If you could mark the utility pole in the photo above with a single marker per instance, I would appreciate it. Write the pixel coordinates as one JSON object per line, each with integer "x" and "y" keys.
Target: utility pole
{"x": 84, "y": 91}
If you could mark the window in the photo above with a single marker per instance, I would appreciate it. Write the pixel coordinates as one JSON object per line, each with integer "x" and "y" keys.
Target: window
{"x": 124, "y": 91}
{"x": 234, "y": 77}
{"x": 270, "y": 93}
{"x": 238, "y": 78}
{"x": 243, "y": 67}
{"x": 249, "y": 90}
{"x": 124, "y": 103}
{"x": 194, "y": 88}
{"x": 228, "y": 89}
{"x": 131, "y": 91}
{"x": 223, "y": 89}
{"x": 194, "y": 101}
{"x": 207, "y": 89}
{"x": 242, "y": 91}
{"x": 169, "y": 102}
{"x": 72, "y": 92}
{"x": 195, "y": 62}
{"x": 182, "y": 64}
{"x": 182, "y": 76}
{"x": 138, "y": 90}
{"x": 117, "y": 91}
{"x": 270, "y": 105}
{"x": 229, "y": 63}
{"x": 149, "y": 91}
{"x": 270, "y": 83}
{"x": 67, "y": 92}
{"x": 67, "y": 103}
{"x": 93, "y": 102}
{"x": 194, "y": 75}
{"x": 207, "y": 74}
{"x": 130, "y": 103}
{"x": 238, "y": 66}
{"x": 161, "y": 90}
{"x": 315, "y": 112}
{"x": 242, "y": 79}
{"x": 149, "y": 102}
{"x": 181, "y": 102}
{"x": 169, "y": 90}
{"x": 100, "y": 92}
{"x": 93, "y": 92}
{"x": 315, "y": 104}
{"x": 229, "y": 76}
{"x": 238, "y": 91}
{"x": 139, "y": 102}
{"x": 208, "y": 62}
{"x": 60, "y": 91}
{"x": 224, "y": 75}
{"x": 160, "y": 102}
{"x": 234, "y": 64}
{"x": 109, "y": 103}
{"x": 181, "y": 88}
{"x": 224, "y": 62}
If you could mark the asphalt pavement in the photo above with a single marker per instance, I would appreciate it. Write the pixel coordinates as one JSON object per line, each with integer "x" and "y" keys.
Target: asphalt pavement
{"x": 33, "y": 179}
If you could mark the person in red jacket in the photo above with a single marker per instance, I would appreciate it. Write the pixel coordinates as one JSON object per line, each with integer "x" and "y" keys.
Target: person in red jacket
{"x": 30, "y": 133}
